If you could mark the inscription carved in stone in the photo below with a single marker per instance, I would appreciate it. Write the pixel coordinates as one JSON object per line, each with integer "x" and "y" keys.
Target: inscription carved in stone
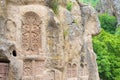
{"x": 31, "y": 33}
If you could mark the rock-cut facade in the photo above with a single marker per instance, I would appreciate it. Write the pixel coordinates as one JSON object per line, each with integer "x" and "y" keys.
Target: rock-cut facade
{"x": 37, "y": 44}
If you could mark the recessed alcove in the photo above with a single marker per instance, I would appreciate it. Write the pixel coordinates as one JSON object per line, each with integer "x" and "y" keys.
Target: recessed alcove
{"x": 14, "y": 53}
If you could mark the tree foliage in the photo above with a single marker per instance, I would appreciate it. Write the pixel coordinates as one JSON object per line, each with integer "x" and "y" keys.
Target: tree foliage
{"x": 108, "y": 23}
{"x": 107, "y": 48}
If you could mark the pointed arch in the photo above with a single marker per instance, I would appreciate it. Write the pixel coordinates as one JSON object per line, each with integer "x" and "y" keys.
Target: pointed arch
{"x": 71, "y": 71}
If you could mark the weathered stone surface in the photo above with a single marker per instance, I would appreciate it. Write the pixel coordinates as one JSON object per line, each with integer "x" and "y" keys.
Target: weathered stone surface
{"x": 41, "y": 45}
{"x": 110, "y": 6}
{"x": 116, "y": 9}
{"x": 2, "y": 21}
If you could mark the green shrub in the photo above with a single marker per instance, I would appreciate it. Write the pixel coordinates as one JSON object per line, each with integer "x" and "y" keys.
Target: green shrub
{"x": 65, "y": 33}
{"x": 108, "y": 23}
{"x": 107, "y": 48}
{"x": 118, "y": 31}
{"x": 69, "y": 6}
{"x": 92, "y": 2}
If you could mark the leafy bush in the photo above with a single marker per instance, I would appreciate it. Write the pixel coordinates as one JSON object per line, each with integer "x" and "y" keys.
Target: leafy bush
{"x": 118, "y": 31}
{"x": 108, "y": 23}
{"x": 69, "y": 6}
{"x": 92, "y": 2}
{"x": 107, "y": 48}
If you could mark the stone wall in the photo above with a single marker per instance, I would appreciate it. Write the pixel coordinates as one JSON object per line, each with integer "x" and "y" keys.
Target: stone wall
{"x": 111, "y": 7}
{"x": 41, "y": 45}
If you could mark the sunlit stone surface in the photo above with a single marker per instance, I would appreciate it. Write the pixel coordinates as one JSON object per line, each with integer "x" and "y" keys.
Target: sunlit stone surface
{"x": 38, "y": 44}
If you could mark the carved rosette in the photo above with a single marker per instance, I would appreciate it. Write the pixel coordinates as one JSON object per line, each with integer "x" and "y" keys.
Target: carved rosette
{"x": 31, "y": 33}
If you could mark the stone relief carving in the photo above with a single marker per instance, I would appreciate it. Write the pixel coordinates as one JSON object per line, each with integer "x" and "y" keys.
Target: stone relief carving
{"x": 33, "y": 69}
{"x": 59, "y": 46}
{"x": 3, "y": 71}
{"x": 31, "y": 33}
{"x": 27, "y": 68}
{"x": 57, "y": 75}
{"x": 83, "y": 71}
{"x": 52, "y": 75}
{"x": 71, "y": 71}
{"x": 24, "y": 2}
{"x": 10, "y": 29}
{"x": 39, "y": 67}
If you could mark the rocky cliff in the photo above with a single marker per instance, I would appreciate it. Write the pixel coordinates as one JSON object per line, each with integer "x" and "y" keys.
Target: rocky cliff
{"x": 38, "y": 44}
{"x": 111, "y": 7}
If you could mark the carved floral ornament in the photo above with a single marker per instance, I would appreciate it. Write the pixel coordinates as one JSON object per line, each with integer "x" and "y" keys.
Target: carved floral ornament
{"x": 31, "y": 33}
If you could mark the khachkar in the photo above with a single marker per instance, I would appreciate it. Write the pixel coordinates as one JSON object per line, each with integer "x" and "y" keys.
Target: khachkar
{"x": 37, "y": 44}
{"x": 31, "y": 33}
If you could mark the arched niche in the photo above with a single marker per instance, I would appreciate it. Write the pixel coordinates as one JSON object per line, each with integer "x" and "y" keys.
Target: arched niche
{"x": 31, "y": 33}
{"x": 71, "y": 71}
{"x": 55, "y": 74}
{"x": 83, "y": 71}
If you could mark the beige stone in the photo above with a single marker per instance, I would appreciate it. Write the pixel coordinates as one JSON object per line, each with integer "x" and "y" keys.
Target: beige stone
{"x": 38, "y": 44}
{"x": 111, "y": 7}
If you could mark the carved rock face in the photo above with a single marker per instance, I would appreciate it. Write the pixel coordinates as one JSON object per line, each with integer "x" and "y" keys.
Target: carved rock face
{"x": 111, "y": 7}
{"x": 4, "y": 71}
{"x": 43, "y": 46}
{"x": 26, "y": 2}
{"x": 31, "y": 33}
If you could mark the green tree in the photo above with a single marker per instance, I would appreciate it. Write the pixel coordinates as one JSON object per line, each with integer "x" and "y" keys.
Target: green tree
{"x": 108, "y": 23}
{"x": 107, "y": 48}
